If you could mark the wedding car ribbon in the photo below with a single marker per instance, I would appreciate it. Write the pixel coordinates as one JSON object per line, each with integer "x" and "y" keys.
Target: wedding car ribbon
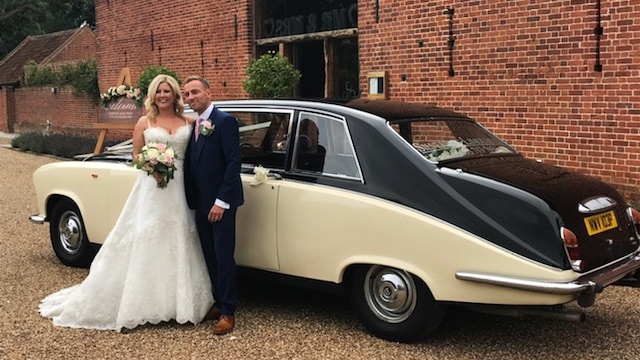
{"x": 260, "y": 175}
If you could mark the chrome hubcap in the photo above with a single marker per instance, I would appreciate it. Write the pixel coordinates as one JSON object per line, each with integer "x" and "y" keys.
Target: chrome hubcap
{"x": 70, "y": 232}
{"x": 390, "y": 293}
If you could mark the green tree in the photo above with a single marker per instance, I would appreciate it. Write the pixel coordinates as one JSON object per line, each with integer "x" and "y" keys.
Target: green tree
{"x": 21, "y": 18}
{"x": 270, "y": 76}
{"x": 150, "y": 72}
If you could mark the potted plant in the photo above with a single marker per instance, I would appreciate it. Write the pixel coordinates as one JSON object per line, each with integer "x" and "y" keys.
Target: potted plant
{"x": 270, "y": 76}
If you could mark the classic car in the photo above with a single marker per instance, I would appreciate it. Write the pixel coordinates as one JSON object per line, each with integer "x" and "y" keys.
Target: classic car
{"x": 408, "y": 208}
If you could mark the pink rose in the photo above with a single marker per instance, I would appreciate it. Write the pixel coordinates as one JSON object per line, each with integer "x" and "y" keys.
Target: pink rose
{"x": 161, "y": 147}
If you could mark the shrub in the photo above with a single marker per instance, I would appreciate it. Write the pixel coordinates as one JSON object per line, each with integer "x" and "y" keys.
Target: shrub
{"x": 150, "y": 72}
{"x": 62, "y": 145}
{"x": 82, "y": 76}
{"x": 270, "y": 76}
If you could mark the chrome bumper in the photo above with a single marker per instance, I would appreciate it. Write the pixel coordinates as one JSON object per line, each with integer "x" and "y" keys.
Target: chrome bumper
{"x": 37, "y": 219}
{"x": 585, "y": 287}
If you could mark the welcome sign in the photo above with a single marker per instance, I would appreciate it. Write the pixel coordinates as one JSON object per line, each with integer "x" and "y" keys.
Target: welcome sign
{"x": 122, "y": 110}
{"x": 121, "y": 104}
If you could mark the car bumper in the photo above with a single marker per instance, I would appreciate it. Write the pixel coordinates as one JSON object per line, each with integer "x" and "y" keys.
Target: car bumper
{"x": 37, "y": 219}
{"x": 584, "y": 287}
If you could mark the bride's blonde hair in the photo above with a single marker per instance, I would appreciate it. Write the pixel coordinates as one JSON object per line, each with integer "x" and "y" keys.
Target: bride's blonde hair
{"x": 150, "y": 102}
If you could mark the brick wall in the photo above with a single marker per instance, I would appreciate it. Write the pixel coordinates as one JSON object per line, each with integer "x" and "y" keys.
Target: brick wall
{"x": 525, "y": 70}
{"x": 82, "y": 46}
{"x": 67, "y": 113}
{"x": 189, "y": 38}
{"x": 4, "y": 111}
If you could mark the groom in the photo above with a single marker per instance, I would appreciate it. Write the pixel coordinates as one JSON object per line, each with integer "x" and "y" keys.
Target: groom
{"x": 213, "y": 187}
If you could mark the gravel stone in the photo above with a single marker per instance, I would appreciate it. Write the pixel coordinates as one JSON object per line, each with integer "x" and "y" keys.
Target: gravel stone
{"x": 274, "y": 321}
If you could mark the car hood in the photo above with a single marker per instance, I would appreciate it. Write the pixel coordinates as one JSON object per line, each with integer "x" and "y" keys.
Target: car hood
{"x": 563, "y": 191}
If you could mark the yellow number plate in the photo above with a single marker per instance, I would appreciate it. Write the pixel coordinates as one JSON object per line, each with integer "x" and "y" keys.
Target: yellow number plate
{"x": 601, "y": 222}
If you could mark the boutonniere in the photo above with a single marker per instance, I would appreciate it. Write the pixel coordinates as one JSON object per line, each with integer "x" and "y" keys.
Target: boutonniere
{"x": 206, "y": 127}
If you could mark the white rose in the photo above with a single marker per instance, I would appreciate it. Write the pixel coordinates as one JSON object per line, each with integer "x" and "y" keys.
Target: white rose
{"x": 152, "y": 154}
{"x": 121, "y": 89}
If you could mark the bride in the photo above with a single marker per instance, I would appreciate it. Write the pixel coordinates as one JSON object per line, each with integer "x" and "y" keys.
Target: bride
{"x": 150, "y": 267}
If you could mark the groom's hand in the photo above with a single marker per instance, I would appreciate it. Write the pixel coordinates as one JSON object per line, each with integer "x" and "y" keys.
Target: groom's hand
{"x": 215, "y": 214}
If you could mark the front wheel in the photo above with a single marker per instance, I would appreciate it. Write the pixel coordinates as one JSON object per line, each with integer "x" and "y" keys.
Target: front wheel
{"x": 68, "y": 236}
{"x": 393, "y": 304}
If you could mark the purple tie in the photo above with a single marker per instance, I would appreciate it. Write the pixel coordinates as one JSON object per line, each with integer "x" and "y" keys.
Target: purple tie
{"x": 197, "y": 127}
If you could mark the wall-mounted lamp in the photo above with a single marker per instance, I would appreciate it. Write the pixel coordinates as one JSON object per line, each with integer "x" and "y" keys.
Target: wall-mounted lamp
{"x": 377, "y": 85}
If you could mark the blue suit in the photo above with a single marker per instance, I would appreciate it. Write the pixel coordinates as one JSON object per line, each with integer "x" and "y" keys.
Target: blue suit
{"x": 212, "y": 171}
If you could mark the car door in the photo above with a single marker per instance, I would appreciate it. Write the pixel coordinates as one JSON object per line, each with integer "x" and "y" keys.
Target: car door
{"x": 263, "y": 142}
{"x": 313, "y": 223}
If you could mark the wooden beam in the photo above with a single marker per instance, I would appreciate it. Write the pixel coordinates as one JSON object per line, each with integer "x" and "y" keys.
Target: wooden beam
{"x": 309, "y": 37}
{"x": 329, "y": 59}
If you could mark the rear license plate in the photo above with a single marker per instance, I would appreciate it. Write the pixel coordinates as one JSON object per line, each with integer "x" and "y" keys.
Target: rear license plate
{"x": 601, "y": 222}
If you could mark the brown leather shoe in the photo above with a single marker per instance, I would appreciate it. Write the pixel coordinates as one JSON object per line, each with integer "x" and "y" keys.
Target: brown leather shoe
{"x": 225, "y": 325}
{"x": 213, "y": 314}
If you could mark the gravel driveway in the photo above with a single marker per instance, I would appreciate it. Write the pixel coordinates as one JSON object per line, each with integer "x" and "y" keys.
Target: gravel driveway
{"x": 274, "y": 321}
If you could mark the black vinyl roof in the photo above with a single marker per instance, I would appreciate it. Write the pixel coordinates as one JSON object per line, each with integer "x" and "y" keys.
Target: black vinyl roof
{"x": 397, "y": 110}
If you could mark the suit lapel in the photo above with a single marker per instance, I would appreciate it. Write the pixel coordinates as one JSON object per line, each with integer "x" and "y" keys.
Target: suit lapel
{"x": 199, "y": 144}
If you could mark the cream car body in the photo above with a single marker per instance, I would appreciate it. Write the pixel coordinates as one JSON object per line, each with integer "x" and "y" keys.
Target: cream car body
{"x": 356, "y": 197}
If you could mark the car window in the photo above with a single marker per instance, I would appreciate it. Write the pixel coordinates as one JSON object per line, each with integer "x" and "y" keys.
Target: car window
{"x": 440, "y": 140}
{"x": 323, "y": 145}
{"x": 263, "y": 137}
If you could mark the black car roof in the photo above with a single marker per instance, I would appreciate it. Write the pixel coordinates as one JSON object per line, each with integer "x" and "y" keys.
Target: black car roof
{"x": 387, "y": 109}
{"x": 397, "y": 110}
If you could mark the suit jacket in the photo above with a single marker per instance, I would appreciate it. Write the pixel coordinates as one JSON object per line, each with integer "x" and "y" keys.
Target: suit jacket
{"x": 212, "y": 165}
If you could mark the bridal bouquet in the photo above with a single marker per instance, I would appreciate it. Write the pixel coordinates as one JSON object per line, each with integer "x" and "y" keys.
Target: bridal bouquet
{"x": 157, "y": 158}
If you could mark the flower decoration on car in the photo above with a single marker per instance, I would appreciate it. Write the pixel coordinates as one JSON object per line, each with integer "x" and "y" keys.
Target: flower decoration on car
{"x": 449, "y": 150}
{"x": 206, "y": 127}
{"x": 116, "y": 92}
{"x": 260, "y": 175}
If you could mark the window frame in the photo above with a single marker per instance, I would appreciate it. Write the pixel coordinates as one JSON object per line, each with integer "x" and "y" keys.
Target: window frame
{"x": 302, "y": 113}
{"x": 248, "y": 167}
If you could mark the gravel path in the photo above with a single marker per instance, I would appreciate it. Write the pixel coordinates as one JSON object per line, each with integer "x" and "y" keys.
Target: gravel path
{"x": 274, "y": 321}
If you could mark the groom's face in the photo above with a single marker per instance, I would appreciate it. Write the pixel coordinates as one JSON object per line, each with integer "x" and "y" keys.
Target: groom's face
{"x": 196, "y": 95}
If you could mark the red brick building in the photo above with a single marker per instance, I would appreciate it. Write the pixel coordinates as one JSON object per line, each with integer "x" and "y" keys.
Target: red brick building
{"x": 25, "y": 109}
{"x": 558, "y": 79}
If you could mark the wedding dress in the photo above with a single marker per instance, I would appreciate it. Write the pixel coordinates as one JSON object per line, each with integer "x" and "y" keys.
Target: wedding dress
{"x": 150, "y": 268}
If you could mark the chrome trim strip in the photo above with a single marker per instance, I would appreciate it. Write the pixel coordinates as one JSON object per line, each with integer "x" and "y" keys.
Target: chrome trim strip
{"x": 37, "y": 219}
{"x": 596, "y": 204}
{"x": 594, "y": 282}
{"x": 526, "y": 284}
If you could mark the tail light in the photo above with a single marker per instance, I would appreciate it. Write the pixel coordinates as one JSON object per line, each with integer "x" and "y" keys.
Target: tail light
{"x": 571, "y": 244}
{"x": 634, "y": 216}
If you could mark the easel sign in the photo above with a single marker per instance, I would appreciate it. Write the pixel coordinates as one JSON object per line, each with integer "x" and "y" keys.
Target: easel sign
{"x": 120, "y": 113}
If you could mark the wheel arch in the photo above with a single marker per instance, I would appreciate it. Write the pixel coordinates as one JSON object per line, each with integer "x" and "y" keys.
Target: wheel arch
{"x": 350, "y": 265}
{"x": 54, "y": 198}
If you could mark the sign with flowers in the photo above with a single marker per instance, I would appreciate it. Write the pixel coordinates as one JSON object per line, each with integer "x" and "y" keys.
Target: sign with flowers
{"x": 121, "y": 104}
{"x": 119, "y": 92}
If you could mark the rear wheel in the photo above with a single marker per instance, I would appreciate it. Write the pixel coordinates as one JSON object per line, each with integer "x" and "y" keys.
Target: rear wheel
{"x": 393, "y": 304}
{"x": 68, "y": 236}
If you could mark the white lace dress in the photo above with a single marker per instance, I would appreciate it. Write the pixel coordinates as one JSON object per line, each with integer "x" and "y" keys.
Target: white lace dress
{"x": 150, "y": 268}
